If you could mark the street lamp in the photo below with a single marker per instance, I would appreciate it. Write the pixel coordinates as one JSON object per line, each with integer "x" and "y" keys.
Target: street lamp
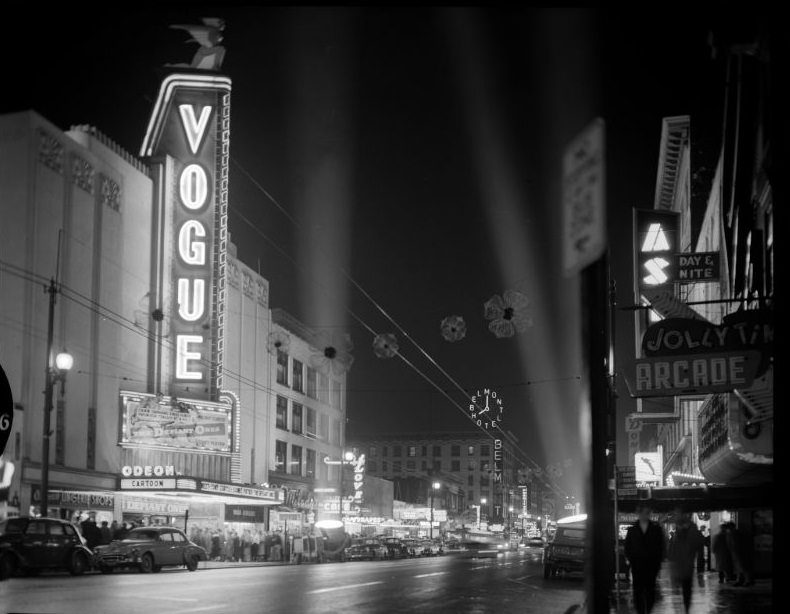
{"x": 510, "y": 519}
{"x": 435, "y": 486}
{"x": 54, "y": 374}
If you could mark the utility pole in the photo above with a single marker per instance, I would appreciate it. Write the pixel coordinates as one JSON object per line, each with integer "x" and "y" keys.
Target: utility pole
{"x": 49, "y": 386}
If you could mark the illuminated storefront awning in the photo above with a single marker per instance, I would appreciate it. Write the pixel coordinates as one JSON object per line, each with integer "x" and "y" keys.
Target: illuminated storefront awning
{"x": 198, "y": 489}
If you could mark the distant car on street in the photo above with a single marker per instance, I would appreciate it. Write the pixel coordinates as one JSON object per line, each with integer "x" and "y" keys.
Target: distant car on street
{"x": 29, "y": 545}
{"x": 370, "y": 550}
{"x": 415, "y": 548}
{"x": 480, "y": 549}
{"x": 396, "y": 549}
{"x": 149, "y": 549}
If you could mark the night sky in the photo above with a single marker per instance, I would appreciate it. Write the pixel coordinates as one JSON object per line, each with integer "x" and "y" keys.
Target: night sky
{"x": 420, "y": 152}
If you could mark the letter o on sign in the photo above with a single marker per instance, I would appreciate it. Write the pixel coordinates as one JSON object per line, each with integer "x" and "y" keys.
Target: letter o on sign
{"x": 126, "y": 471}
{"x": 193, "y": 187}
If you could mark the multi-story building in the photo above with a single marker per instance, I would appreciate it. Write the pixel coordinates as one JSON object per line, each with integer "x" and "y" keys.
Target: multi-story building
{"x": 174, "y": 404}
{"x": 307, "y": 395}
{"x": 462, "y": 463}
{"x": 725, "y": 208}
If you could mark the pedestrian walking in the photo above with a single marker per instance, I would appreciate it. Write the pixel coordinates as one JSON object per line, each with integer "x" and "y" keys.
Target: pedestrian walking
{"x": 644, "y": 549}
{"x": 683, "y": 550}
{"x": 721, "y": 550}
{"x": 742, "y": 556}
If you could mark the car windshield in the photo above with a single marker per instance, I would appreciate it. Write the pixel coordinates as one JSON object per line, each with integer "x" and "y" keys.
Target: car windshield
{"x": 141, "y": 535}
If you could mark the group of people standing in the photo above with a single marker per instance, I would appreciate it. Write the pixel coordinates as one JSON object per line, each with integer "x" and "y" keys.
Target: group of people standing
{"x": 99, "y": 535}
{"x": 646, "y": 547}
{"x": 245, "y": 545}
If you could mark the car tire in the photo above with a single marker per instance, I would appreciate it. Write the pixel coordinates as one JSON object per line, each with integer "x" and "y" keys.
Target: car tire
{"x": 191, "y": 561}
{"x": 78, "y": 563}
{"x": 106, "y": 569}
{"x": 548, "y": 572}
{"x": 147, "y": 563}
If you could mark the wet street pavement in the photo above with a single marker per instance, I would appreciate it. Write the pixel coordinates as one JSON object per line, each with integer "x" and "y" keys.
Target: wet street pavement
{"x": 512, "y": 582}
{"x": 707, "y": 597}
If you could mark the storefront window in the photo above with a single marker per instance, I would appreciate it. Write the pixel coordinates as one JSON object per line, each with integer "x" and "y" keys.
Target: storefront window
{"x": 280, "y": 452}
{"x": 282, "y": 368}
{"x": 312, "y": 385}
{"x": 296, "y": 418}
{"x": 296, "y": 460}
{"x": 282, "y": 413}
{"x": 470, "y": 450}
{"x": 310, "y": 464}
{"x": 297, "y": 372}
{"x": 412, "y": 451}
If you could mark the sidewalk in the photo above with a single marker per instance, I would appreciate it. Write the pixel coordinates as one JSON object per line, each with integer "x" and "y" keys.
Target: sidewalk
{"x": 707, "y": 597}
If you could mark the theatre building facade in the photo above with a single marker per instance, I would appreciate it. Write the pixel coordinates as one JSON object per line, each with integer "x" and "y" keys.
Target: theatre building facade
{"x": 162, "y": 414}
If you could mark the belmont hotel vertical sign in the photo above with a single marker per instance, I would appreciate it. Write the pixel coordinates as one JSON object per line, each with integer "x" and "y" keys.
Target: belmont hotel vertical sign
{"x": 189, "y": 136}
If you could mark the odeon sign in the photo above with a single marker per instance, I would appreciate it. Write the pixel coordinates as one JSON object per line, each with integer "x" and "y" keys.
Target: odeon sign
{"x": 128, "y": 471}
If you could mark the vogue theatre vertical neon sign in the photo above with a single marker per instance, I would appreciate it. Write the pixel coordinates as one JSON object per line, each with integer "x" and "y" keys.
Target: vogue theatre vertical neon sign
{"x": 191, "y": 247}
{"x": 188, "y": 142}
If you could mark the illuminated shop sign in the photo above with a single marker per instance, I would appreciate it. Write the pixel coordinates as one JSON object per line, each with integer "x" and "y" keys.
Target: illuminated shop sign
{"x": 147, "y": 470}
{"x": 694, "y": 374}
{"x": 656, "y": 242}
{"x": 160, "y": 421}
{"x": 649, "y": 468}
{"x": 152, "y": 506}
{"x": 191, "y": 123}
{"x": 244, "y": 513}
{"x": 497, "y": 460}
{"x": 82, "y": 500}
{"x": 357, "y": 465}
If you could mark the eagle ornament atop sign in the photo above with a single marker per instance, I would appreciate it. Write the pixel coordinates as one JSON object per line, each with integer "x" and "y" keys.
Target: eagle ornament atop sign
{"x": 209, "y": 36}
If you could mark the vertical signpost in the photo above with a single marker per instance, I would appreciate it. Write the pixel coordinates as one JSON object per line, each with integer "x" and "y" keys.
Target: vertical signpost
{"x": 584, "y": 250}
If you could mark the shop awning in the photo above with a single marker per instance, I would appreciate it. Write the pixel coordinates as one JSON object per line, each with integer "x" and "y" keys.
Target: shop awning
{"x": 198, "y": 489}
{"x": 702, "y": 498}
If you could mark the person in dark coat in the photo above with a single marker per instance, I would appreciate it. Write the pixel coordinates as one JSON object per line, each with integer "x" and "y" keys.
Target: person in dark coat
{"x": 721, "y": 550}
{"x": 91, "y": 532}
{"x": 106, "y": 533}
{"x": 644, "y": 549}
{"x": 683, "y": 551}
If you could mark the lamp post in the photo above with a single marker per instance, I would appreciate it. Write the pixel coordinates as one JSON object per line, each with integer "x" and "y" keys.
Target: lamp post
{"x": 434, "y": 487}
{"x": 510, "y": 519}
{"x": 55, "y": 373}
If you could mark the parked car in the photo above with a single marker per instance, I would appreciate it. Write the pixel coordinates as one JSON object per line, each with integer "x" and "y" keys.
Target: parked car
{"x": 369, "y": 551}
{"x": 431, "y": 547}
{"x": 565, "y": 551}
{"x": 414, "y": 547}
{"x": 32, "y": 544}
{"x": 149, "y": 549}
{"x": 396, "y": 549}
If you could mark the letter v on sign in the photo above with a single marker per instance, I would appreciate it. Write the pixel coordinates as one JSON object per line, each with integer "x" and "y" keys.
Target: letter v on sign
{"x": 194, "y": 128}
